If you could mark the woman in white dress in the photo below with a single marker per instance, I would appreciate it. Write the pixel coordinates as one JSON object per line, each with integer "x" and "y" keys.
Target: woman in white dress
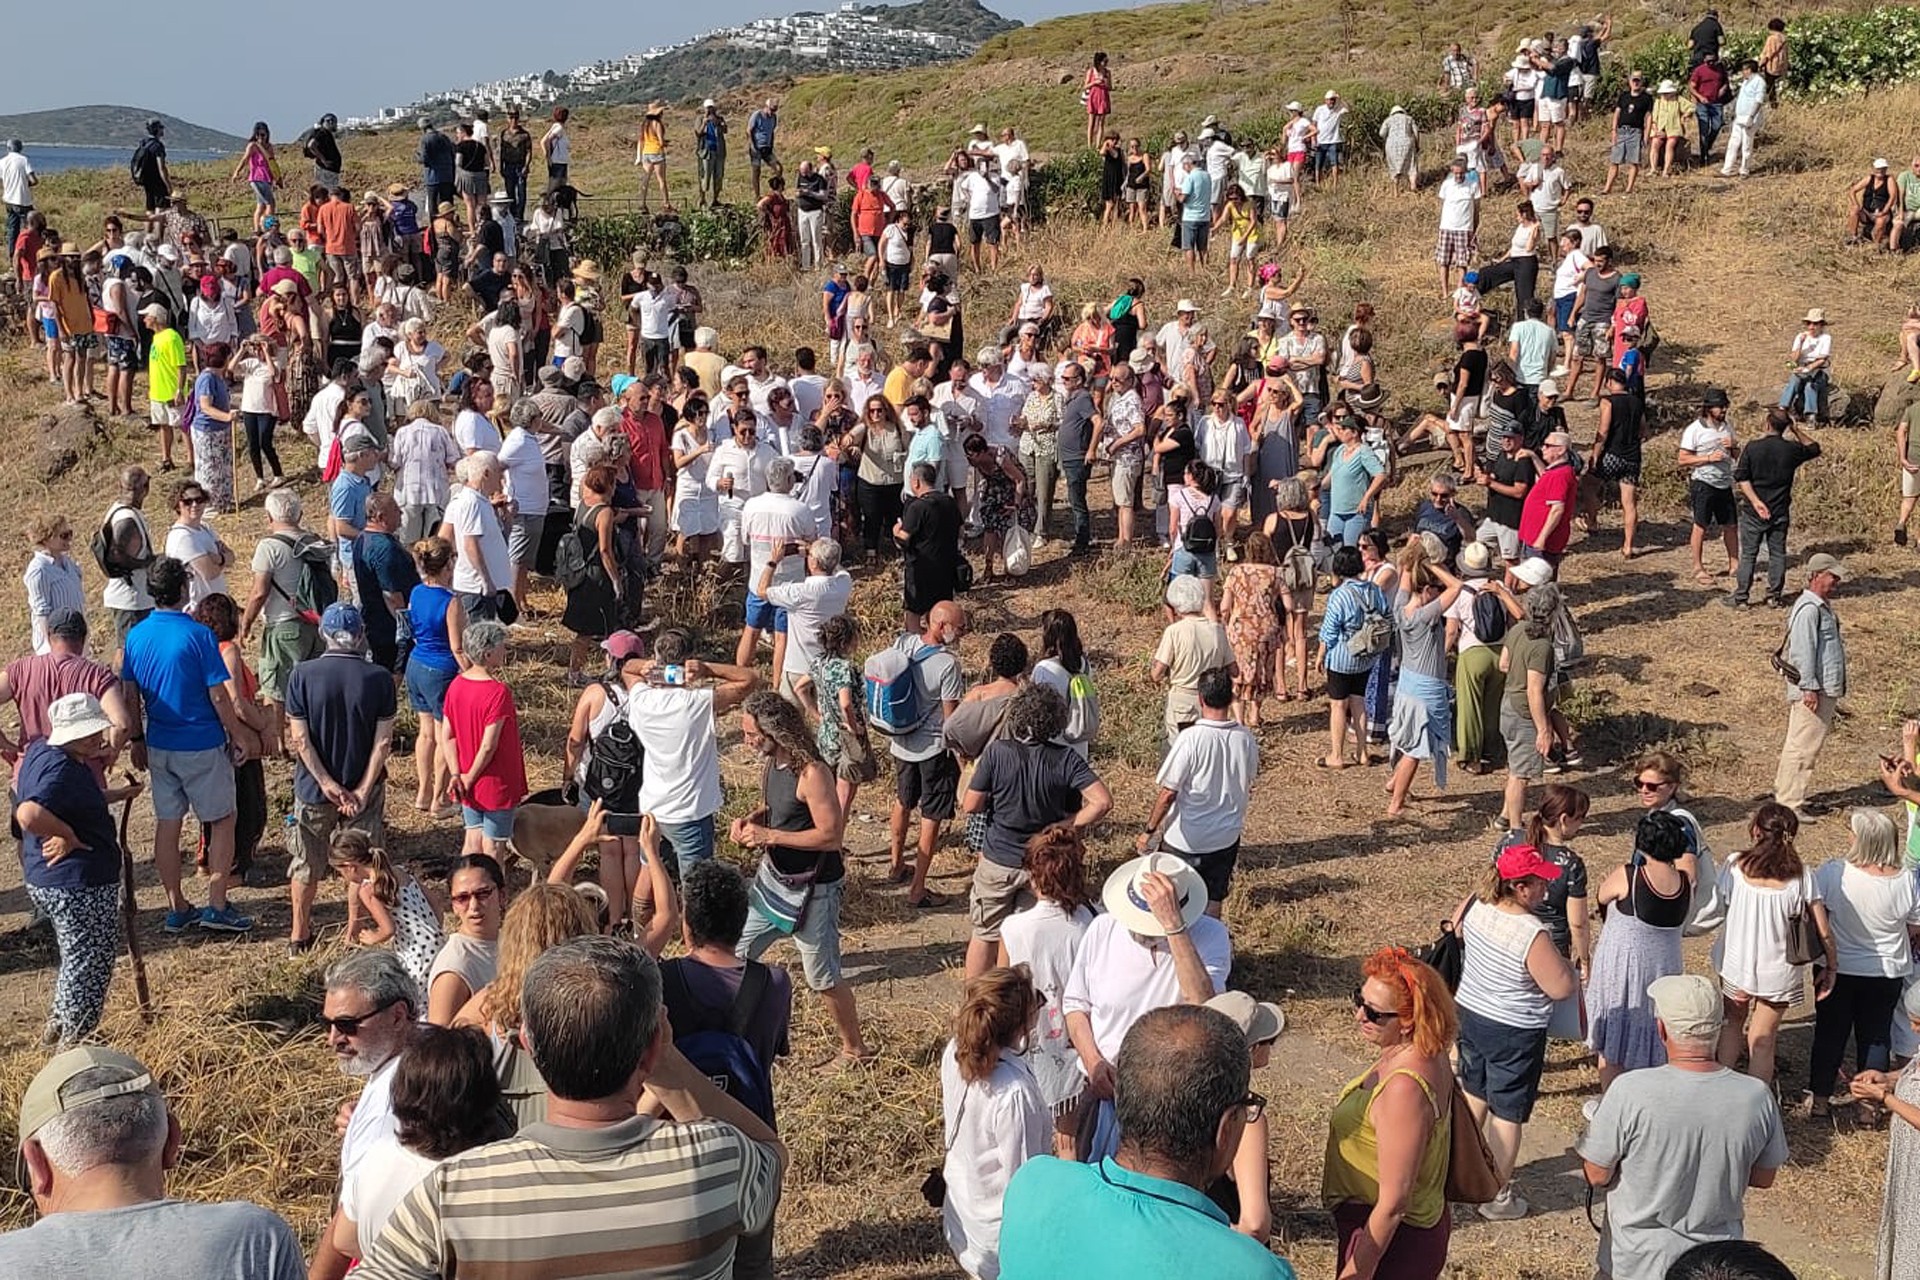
{"x": 696, "y": 508}
{"x": 1044, "y": 938}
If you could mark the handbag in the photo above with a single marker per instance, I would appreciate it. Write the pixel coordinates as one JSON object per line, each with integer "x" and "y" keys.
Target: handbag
{"x": 1804, "y": 943}
{"x": 1016, "y": 550}
{"x": 933, "y": 1187}
{"x": 1447, "y": 954}
{"x": 1472, "y": 1177}
{"x": 782, "y": 899}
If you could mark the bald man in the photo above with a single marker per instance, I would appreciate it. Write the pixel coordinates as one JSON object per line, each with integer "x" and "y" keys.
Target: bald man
{"x": 926, "y": 773}
{"x": 384, "y": 575}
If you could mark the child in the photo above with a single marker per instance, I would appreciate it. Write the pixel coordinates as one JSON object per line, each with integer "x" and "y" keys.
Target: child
{"x": 398, "y": 907}
{"x": 1468, "y": 318}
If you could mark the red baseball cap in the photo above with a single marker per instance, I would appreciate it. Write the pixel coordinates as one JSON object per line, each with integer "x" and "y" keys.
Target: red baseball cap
{"x": 622, "y": 645}
{"x": 1519, "y": 861}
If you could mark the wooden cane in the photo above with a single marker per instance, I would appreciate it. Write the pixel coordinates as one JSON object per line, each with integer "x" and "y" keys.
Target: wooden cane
{"x": 142, "y": 993}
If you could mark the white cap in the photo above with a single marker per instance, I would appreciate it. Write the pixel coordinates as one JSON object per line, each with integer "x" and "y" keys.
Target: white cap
{"x": 1331, "y": 95}
{"x": 1295, "y": 105}
{"x": 708, "y": 103}
{"x": 1548, "y": 387}
{"x": 1881, "y": 163}
{"x": 1186, "y": 304}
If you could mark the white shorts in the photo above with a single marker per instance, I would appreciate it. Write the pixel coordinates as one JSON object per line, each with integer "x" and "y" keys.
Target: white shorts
{"x": 1550, "y": 110}
{"x": 1909, "y": 483}
{"x": 1508, "y": 540}
{"x": 1461, "y": 420}
{"x": 1244, "y": 250}
{"x": 163, "y": 415}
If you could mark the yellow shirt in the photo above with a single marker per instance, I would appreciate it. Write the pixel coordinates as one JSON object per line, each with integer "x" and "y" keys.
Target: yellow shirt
{"x": 898, "y": 387}
{"x": 1353, "y": 1154}
{"x": 165, "y": 359}
{"x": 708, "y": 365}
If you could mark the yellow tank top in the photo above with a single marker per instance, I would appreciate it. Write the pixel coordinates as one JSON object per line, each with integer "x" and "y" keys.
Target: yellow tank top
{"x": 653, "y": 137}
{"x": 1353, "y": 1154}
{"x": 1241, "y": 222}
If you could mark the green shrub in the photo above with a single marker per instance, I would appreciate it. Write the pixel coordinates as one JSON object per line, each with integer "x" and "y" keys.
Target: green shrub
{"x": 1828, "y": 54}
{"x": 725, "y": 234}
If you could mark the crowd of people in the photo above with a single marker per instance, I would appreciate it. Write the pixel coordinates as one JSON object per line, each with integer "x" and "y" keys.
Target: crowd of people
{"x": 528, "y": 1053}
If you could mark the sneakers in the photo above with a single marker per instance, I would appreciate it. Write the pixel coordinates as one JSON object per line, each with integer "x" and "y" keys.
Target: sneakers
{"x": 1736, "y": 602}
{"x": 1508, "y": 1206}
{"x": 225, "y": 920}
{"x": 1900, "y": 535}
{"x": 179, "y": 920}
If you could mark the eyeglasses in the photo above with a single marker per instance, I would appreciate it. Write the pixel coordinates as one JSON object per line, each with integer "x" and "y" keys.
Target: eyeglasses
{"x": 1371, "y": 1014}
{"x": 1254, "y": 1105}
{"x": 350, "y": 1026}
{"x": 1641, "y": 784}
{"x": 483, "y": 894}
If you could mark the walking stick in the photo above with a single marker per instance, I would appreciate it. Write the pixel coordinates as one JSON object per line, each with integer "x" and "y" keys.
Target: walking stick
{"x": 142, "y": 994}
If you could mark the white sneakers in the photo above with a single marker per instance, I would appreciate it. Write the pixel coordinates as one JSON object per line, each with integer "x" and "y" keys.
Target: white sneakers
{"x": 1508, "y": 1206}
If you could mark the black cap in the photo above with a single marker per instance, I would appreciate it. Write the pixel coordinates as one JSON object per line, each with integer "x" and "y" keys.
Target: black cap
{"x": 1715, "y": 398}
{"x": 67, "y": 623}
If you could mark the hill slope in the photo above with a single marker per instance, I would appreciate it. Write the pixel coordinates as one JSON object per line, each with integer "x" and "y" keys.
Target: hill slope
{"x": 110, "y": 126}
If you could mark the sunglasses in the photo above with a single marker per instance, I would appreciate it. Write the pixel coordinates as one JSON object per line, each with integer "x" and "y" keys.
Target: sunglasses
{"x": 350, "y": 1026}
{"x": 1371, "y": 1014}
{"x": 1641, "y": 784}
{"x": 1255, "y": 1106}
{"x": 474, "y": 895}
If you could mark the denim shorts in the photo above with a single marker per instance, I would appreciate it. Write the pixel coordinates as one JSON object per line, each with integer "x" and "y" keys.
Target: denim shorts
{"x": 1563, "y": 313}
{"x": 817, "y": 939}
{"x": 262, "y": 194}
{"x": 427, "y": 688}
{"x": 1501, "y": 1064}
{"x": 495, "y": 824}
{"x": 1185, "y": 561}
{"x": 763, "y": 615}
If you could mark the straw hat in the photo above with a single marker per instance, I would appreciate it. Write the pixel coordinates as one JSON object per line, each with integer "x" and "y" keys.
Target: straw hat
{"x": 1815, "y": 316}
{"x": 446, "y": 209}
{"x": 586, "y": 269}
{"x": 396, "y": 188}
{"x": 1126, "y": 903}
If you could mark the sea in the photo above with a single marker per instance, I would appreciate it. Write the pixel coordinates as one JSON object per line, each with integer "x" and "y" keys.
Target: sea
{"x": 55, "y": 159}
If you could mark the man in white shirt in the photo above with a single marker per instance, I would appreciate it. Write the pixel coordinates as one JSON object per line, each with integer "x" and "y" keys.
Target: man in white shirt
{"x": 1546, "y": 183}
{"x": 482, "y": 567}
{"x": 981, "y": 188}
{"x": 672, "y": 712}
{"x": 1009, "y": 149}
{"x": 125, "y": 596}
{"x": 651, "y": 310}
{"x": 772, "y": 521}
{"x": 17, "y": 180}
{"x": 807, "y": 384}
{"x": 1170, "y": 179}
{"x": 808, "y": 603}
{"x": 1206, "y": 783}
{"x": 528, "y": 491}
{"x": 761, "y": 379}
{"x": 1000, "y": 397}
{"x": 1459, "y": 196}
{"x": 1326, "y": 131}
{"x": 1708, "y": 451}
{"x": 1219, "y": 158}
{"x": 737, "y": 473}
{"x": 1175, "y": 335}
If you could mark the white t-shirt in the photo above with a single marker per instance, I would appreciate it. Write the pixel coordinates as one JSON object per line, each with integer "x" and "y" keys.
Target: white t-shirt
{"x": 501, "y": 341}
{"x": 769, "y": 520}
{"x": 186, "y": 544}
{"x": 1808, "y": 347}
{"x": 256, "y": 384}
{"x": 1009, "y": 152}
{"x": 474, "y": 431}
{"x": 1116, "y": 980}
{"x": 1549, "y": 186}
{"x": 1033, "y": 300}
{"x": 991, "y": 1128}
{"x": 472, "y": 516}
{"x": 809, "y": 603}
{"x": 385, "y": 1176}
{"x": 1224, "y": 446}
{"x": 1327, "y": 120}
{"x": 681, "y": 782}
{"x": 1173, "y": 342}
{"x": 372, "y": 1124}
{"x": 1210, "y": 770}
{"x": 1280, "y": 182}
{"x": 652, "y": 310}
{"x": 130, "y": 592}
{"x": 1868, "y": 916}
{"x": 567, "y": 327}
{"x": 1046, "y": 939}
{"x": 1457, "y": 198}
{"x": 809, "y": 389}
{"x": 1702, "y": 436}
{"x": 526, "y": 472}
{"x": 983, "y": 195}
{"x": 1568, "y": 275}
{"x": 896, "y": 249}
{"x": 1525, "y": 82}
{"x": 1751, "y": 951}
{"x": 15, "y": 170}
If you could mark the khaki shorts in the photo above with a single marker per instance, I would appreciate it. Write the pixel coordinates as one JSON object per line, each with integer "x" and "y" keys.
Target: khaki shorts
{"x": 284, "y": 646}
{"x": 1127, "y": 472}
{"x": 997, "y": 892}
{"x": 1909, "y": 483}
{"x": 313, "y": 828}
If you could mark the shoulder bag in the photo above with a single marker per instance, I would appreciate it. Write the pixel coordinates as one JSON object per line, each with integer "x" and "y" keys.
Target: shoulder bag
{"x": 1472, "y": 1177}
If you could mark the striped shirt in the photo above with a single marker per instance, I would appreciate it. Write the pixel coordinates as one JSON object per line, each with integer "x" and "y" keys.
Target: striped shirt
{"x": 642, "y": 1198}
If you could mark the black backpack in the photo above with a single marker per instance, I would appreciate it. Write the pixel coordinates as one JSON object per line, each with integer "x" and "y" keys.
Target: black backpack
{"x": 107, "y": 555}
{"x": 1490, "y": 617}
{"x": 145, "y": 166}
{"x": 317, "y": 588}
{"x": 1200, "y": 536}
{"x": 614, "y": 759}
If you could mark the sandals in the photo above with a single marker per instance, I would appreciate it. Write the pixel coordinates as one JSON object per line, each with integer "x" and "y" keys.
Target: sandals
{"x": 929, "y": 901}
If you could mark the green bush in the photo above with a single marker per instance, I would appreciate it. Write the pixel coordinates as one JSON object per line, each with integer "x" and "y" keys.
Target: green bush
{"x": 1828, "y": 54}
{"x": 725, "y": 234}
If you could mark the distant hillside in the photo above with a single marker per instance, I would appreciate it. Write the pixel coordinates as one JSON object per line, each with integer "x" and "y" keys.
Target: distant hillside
{"x": 103, "y": 126}
{"x": 962, "y": 19}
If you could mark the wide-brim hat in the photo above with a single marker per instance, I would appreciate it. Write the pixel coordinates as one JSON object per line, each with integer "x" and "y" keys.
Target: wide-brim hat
{"x": 586, "y": 269}
{"x": 656, "y": 107}
{"x": 1260, "y": 1021}
{"x": 76, "y": 716}
{"x": 1815, "y": 316}
{"x": 1476, "y": 560}
{"x": 396, "y": 188}
{"x": 1125, "y": 903}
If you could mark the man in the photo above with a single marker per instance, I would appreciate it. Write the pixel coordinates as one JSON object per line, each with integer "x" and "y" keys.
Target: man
{"x": 806, "y": 604}
{"x": 384, "y": 576}
{"x": 1817, "y": 653}
{"x": 1707, "y": 84}
{"x": 168, "y": 377}
{"x": 1593, "y": 237}
{"x": 811, "y": 195}
{"x": 673, "y": 714}
{"x": 762, "y": 127}
{"x": 340, "y": 240}
{"x": 340, "y": 710}
{"x": 737, "y": 473}
{"x": 347, "y": 498}
{"x": 1630, "y": 112}
{"x": 320, "y": 146}
{"x": 1075, "y": 441}
{"x": 926, "y": 772}
{"x": 675, "y": 1195}
{"x": 981, "y": 189}
{"x": 1676, "y": 1146}
{"x": 1556, "y": 94}
{"x": 1326, "y": 139}
{"x": 774, "y": 521}
{"x": 482, "y": 565}
{"x": 370, "y": 1009}
{"x": 97, "y": 1141}
{"x": 119, "y": 301}
{"x": 1909, "y": 208}
{"x": 1593, "y": 305}
{"x": 1545, "y": 184}
{"x": 1508, "y": 477}
{"x": 1546, "y": 513}
{"x": 130, "y": 552}
{"x": 1175, "y": 336}
{"x": 1764, "y": 477}
{"x": 710, "y": 147}
{"x": 1703, "y": 41}
{"x": 1170, "y": 175}
{"x": 1196, "y": 210}
{"x": 280, "y": 573}
{"x": 35, "y": 682}
{"x": 184, "y": 726}
{"x": 1457, "y": 72}
{"x": 648, "y": 460}
{"x": 1906, "y": 450}
{"x": 434, "y": 155}
{"x": 897, "y": 189}
{"x": 1191, "y": 646}
{"x": 528, "y": 492}
{"x": 17, "y": 180}
{"x": 1749, "y": 110}
{"x": 512, "y": 151}
{"x": 1707, "y": 450}
{"x": 1459, "y": 196}
{"x": 149, "y": 166}
{"x": 999, "y": 397}
{"x": 1530, "y": 347}
{"x": 928, "y": 535}
{"x": 1206, "y": 783}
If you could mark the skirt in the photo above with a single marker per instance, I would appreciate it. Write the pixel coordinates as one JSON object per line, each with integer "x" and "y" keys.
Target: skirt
{"x": 1629, "y": 957}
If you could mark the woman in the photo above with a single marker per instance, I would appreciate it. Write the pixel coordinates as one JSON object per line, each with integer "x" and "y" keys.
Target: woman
{"x": 1137, "y": 189}
{"x": 344, "y": 327}
{"x": 1646, "y": 904}
{"x": 1044, "y": 939}
{"x": 1391, "y": 1130}
{"x": 446, "y": 1099}
{"x": 480, "y": 741}
{"x": 1351, "y": 607}
{"x": 696, "y": 506}
{"x": 995, "y": 1118}
{"x": 437, "y": 621}
{"x": 71, "y": 859}
{"x": 1250, "y": 607}
{"x": 1767, "y": 886}
{"x": 1064, "y": 668}
{"x": 541, "y": 918}
{"x": 471, "y": 177}
{"x": 1290, "y": 528}
{"x": 594, "y": 603}
{"x": 417, "y": 364}
{"x": 650, "y": 153}
{"x": 1667, "y": 129}
{"x": 1422, "y": 723}
{"x": 1039, "y": 448}
{"x": 447, "y": 251}
{"x": 211, "y": 319}
{"x": 838, "y": 691}
{"x": 1113, "y": 178}
{"x": 1899, "y": 1093}
{"x": 1774, "y": 59}
{"x": 213, "y": 417}
{"x": 504, "y": 349}
{"x": 1401, "y": 138}
{"x": 254, "y": 734}
{"x": 260, "y": 169}
{"x": 1096, "y": 91}
{"x": 1241, "y": 217}
{"x": 1513, "y": 975}
{"x": 253, "y": 368}
{"x": 776, "y": 222}
{"x": 73, "y": 319}
{"x": 1357, "y": 376}
{"x": 1658, "y": 777}
{"x": 1093, "y": 338}
{"x": 1000, "y": 497}
{"x": 1129, "y": 319}
{"x": 1874, "y": 913}
{"x": 879, "y": 448}
{"x": 802, "y": 874}
{"x": 557, "y": 147}
{"x": 478, "y": 891}
{"x": 52, "y": 578}
{"x": 1354, "y": 477}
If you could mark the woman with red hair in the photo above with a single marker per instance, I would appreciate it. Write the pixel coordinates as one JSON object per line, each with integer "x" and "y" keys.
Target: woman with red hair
{"x": 1391, "y": 1129}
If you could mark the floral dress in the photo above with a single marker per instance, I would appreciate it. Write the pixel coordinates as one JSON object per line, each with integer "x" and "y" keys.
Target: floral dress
{"x": 1249, "y": 601}
{"x": 997, "y": 499}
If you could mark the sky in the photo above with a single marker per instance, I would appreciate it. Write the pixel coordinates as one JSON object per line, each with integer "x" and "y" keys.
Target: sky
{"x": 168, "y": 65}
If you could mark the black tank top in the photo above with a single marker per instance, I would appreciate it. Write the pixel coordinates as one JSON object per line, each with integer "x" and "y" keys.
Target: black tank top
{"x": 786, "y": 811}
{"x": 1651, "y": 907}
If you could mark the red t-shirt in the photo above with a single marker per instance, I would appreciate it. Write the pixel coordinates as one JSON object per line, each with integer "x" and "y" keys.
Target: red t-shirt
{"x": 26, "y": 251}
{"x": 471, "y": 706}
{"x": 870, "y": 212}
{"x": 339, "y": 228}
{"x": 647, "y": 436}
{"x": 1556, "y": 484}
{"x": 43, "y": 679}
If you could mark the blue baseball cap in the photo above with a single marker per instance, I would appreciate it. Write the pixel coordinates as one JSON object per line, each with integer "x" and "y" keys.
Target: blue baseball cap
{"x": 620, "y": 382}
{"x": 342, "y": 619}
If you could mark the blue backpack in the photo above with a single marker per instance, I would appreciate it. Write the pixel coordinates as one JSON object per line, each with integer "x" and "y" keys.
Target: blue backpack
{"x": 893, "y": 691}
{"x": 716, "y": 1044}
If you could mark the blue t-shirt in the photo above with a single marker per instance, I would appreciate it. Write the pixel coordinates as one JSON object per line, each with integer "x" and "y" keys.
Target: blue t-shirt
{"x": 1349, "y": 477}
{"x": 347, "y": 499}
{"x": 67, "y": 788}
{"x": 381, "y": 566}
{"x": 174, "y": 661}
{"x": 212, "y": 388}
{"x": 760, "y": 130}
{"x": 836, "y": 295}
{"x": 427, "y": 614}
{"x": 341, "y": 698}
{"x": 1196, "y": 190}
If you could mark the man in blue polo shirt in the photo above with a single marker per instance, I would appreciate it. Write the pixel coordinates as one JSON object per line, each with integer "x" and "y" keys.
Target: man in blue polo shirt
{"x": 1143, "y": 1214}
{"x": 175, "y": 685}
